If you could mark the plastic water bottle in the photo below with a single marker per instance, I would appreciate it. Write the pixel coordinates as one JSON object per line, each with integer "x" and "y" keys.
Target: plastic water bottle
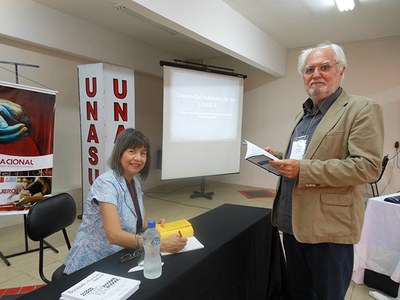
{"x": 152, "y": 258}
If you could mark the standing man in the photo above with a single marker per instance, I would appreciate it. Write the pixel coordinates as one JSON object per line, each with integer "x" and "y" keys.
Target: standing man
{"x": 334, "y": 150}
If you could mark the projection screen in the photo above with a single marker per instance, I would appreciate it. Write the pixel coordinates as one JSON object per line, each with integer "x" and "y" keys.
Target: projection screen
{"x": 202, "y": 121}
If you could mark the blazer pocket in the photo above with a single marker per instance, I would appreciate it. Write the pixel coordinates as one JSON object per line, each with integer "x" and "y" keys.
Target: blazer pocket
{"x": 340, "y": 200}
{"x": 335, "y": 218}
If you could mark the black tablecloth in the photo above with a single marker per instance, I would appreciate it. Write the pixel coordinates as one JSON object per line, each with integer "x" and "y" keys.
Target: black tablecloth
{"x": 242, "y": 259}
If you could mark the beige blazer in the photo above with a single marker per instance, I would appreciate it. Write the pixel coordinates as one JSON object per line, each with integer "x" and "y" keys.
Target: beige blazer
{"x": 344, "y": 154}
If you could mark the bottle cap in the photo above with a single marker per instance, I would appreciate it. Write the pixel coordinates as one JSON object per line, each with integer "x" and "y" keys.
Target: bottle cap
{"x": 151, "y": 224}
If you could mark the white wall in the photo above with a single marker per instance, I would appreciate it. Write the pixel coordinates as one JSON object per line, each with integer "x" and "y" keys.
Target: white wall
{"x": 149, "y": 115}
{"x": 37, "y": 24}
{"x": 235, "y": 36}
{"x": 373, "y": 71}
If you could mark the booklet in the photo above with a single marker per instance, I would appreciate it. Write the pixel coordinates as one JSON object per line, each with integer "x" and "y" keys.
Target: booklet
{"x": 260, "y": 157}
{"x": 99, "y": 286}
{"x": 184, "y": 227}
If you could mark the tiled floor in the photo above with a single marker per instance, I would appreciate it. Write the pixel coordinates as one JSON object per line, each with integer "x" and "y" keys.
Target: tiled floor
{"x": 171, "y": 201}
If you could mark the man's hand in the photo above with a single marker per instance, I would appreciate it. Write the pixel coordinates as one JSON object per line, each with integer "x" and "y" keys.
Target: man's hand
{"x": 289, "y": 168}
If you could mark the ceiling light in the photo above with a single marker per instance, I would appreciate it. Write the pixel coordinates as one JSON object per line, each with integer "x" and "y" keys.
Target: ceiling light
{"x": 344, "y": 5}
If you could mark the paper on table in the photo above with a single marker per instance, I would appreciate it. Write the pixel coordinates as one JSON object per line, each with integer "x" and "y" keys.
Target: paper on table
{"x": 192, "y": 244}
{"x": 139, "y": 267}
{"x": 378, "y": 296}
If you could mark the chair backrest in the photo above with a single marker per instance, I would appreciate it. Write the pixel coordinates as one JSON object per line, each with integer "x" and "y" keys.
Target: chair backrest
{"x": 50, "y": 215}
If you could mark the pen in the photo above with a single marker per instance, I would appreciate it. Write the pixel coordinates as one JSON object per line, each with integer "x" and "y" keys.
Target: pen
{"x": 180, "y": 233}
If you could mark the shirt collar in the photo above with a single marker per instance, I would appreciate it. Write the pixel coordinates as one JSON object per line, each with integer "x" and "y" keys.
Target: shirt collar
{"x": 325, "y": 105}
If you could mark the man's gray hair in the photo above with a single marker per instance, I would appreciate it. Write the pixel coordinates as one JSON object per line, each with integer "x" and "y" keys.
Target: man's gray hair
{"x": 339, "y": 56}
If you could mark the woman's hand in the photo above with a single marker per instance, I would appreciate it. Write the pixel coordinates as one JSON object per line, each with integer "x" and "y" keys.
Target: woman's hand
{"x": 161, "y": 222}
{"x": 173, "y": 244}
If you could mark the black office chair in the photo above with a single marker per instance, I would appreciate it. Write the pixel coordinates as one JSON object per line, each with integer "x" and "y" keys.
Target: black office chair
{"x": 374, "y": 185}
{"x": 47, "y": 217}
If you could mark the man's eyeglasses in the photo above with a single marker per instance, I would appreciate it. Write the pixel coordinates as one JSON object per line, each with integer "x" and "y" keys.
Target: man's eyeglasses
{"x": 125, "y": 257}
{"x": 324, "y": 68}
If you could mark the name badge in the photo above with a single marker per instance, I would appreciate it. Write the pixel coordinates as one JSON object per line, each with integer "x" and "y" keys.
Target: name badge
{"x": 299, "y": 147}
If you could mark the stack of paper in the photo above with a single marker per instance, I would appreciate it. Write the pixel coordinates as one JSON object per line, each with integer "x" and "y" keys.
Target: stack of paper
{"x": 99, "y": 286}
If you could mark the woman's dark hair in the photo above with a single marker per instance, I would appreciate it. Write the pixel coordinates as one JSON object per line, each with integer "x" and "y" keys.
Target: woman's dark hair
{"x": 130, "y": 138}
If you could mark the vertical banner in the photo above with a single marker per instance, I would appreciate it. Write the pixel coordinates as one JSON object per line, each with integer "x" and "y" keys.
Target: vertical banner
{"x": 26, "y": 141}
{"x": 107, "y": 106}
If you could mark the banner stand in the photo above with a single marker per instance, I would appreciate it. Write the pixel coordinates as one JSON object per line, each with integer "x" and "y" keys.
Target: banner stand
{"x": 107, "y": 106}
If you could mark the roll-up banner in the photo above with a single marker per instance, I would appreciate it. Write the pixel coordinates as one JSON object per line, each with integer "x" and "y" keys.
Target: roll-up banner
{"x": 26, "y": 140}
{"x": 107, "y": 106}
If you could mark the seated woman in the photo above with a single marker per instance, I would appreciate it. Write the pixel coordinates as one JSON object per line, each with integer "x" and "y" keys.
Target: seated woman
{"x": 113, "y": 214}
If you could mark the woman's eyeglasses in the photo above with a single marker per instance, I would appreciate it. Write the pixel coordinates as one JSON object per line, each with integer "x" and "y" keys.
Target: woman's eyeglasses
{"x": 125, "y": 257}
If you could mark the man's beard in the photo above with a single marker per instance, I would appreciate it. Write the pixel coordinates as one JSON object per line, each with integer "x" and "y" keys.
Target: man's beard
{"x": 318, "y": 93}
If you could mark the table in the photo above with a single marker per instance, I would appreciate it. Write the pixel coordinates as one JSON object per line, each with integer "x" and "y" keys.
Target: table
{"x": 23, "y": 212}
{"x": 242, "y": 259}
{"x": 379, "y": 246}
